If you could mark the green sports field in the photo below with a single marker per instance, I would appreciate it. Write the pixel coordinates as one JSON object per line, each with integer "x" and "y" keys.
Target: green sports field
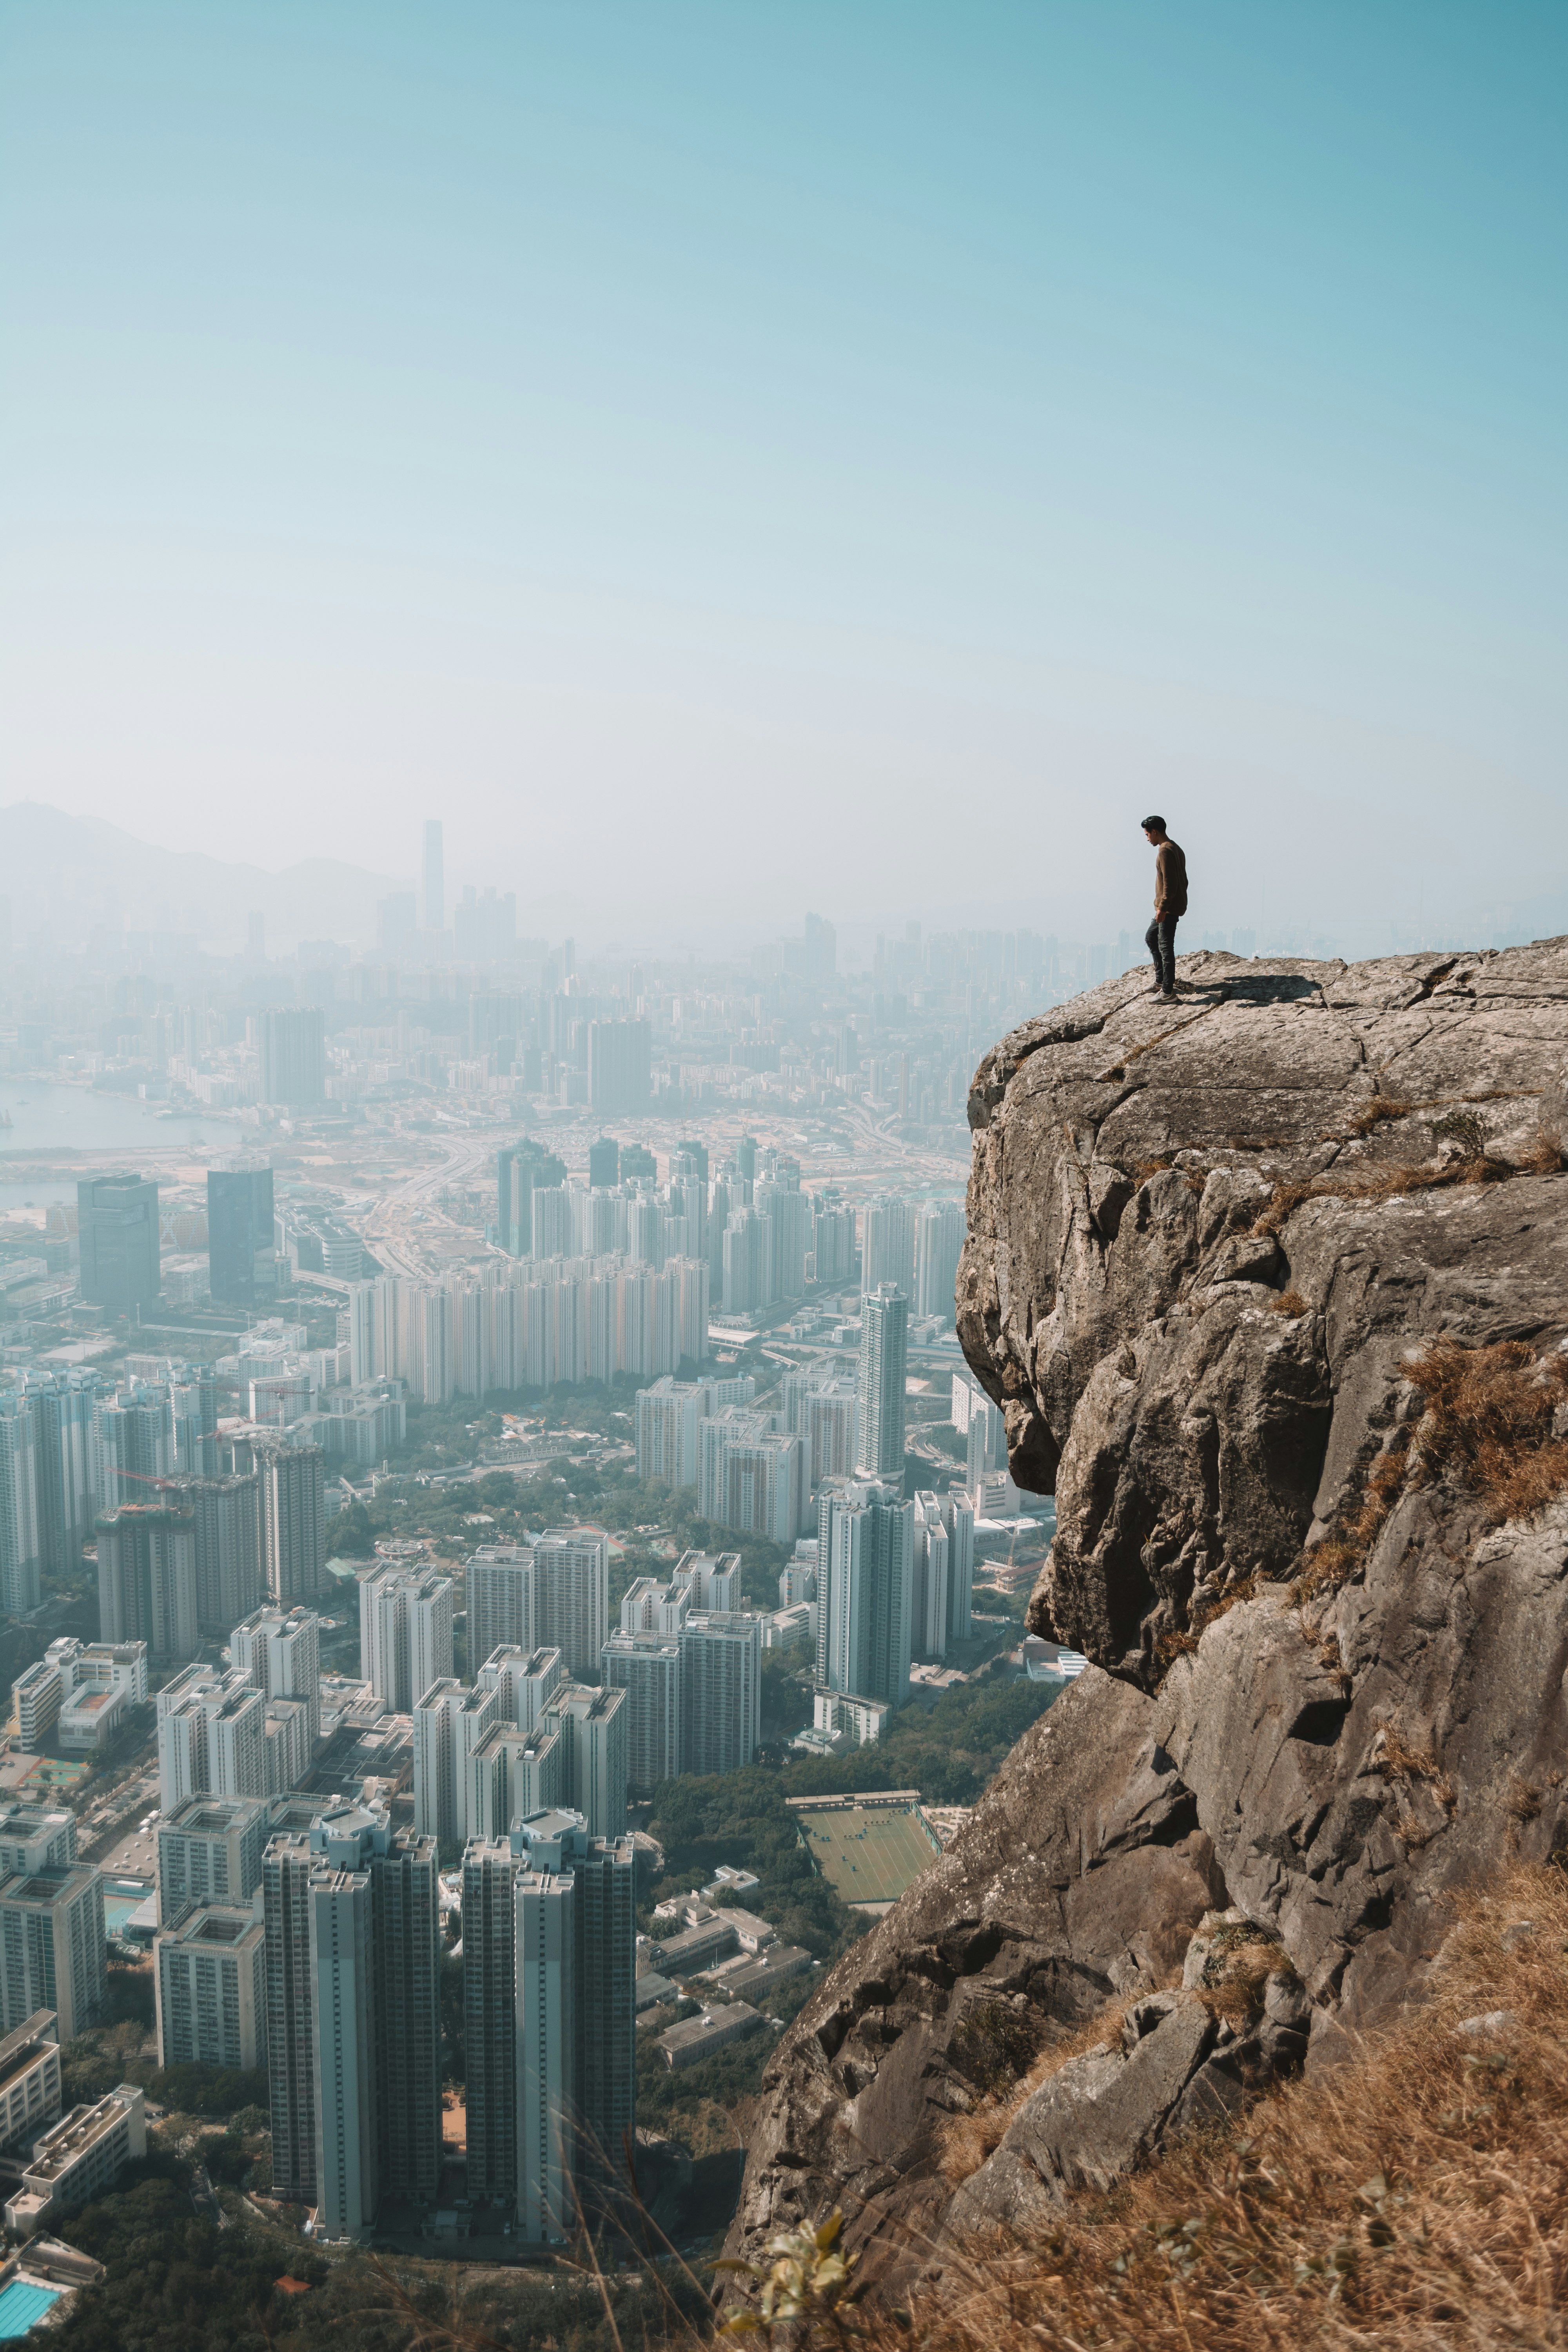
{"x": 870, "y": 1856}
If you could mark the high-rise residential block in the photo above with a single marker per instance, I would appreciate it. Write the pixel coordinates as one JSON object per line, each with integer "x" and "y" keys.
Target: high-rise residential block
{"x": 489, "y": 2017}
{"x": 209, "y": 1979}
{"x": 940, "y": 1230}
{"x": 293, "y": 1055}
{"x": 511, "y": 1773}
{"x": 226, "y": 1517}
{"x": 117, "y": 1231}
{"x": 279, "y": 1652}
{"x": 450, "y": 1721}
{"x": 293, "y": 1480}
{"x": 52, "y": 1949}
{"x": 68, "y": 1443}
{"x": 571, "y": 1596}
{"x": 832, "y": 1240}
{"x": 352, "y": 2017}
{"x": 405, "y": 1634}
{"x": 669, "y": 1416}
{"x": 880, "y": 1384}
{"x": 242, "y": 1258}
{"x": 209, "y": 1850}
{"x": 211, "y": 1736}
{"x": 147, "y": 1578}
{"x": 592, "y": 1724}
{"x": 710, "y": 1579}
{"x": 887, "y": 1245}
{"x": 648, "y": 1668}
{"x": 499, "y": 1579}
{"x": 865, "y": 1590}
{"x": 521, "y": 1170}
{"x": 722, "y": 1671}
{"x": 750, "y": 1475}
{"x": 19, "y": 1545}
{"x": 958, "y": 1518}
{"x": 526, "y": 1680}
{"x": 138, "y": 1429}
{"x": 576, "y": 1943}
{"x": 36, "y": 1837}
{"x": 930, "y": 1610}
{"x": 620, "y": 1058}
{"x": 821, "y": 1406}
{"x": 193, "y": 1412}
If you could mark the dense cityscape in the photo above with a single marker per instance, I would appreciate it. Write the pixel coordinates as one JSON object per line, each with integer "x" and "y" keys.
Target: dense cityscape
{"x": 477, "y": 1407}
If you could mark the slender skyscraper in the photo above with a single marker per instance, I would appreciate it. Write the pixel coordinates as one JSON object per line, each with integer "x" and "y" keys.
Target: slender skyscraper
{"x": 293, "y": 1521}
{"x": 433, "y": 897}
{"x": 571, "y": 1597}
{"x": 865, "y": 1590}
{"x": 19, "y": 1560}
{"x": 884, "y": 1348}
{"x": 352, "y": 2017}
{"x": 138, "y": 1443}
{"x": 68, "y": 1435}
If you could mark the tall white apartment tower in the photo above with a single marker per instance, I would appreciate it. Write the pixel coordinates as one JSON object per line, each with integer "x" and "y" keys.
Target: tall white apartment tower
{"x": 575, "y": 1943}
{"x": 352, "y": 2016}
{"x": 865, "y": 1590}
{"x": 19, "y": 1545}
{"x": 571, "y": 1597}
{"x": 68, "y": 1427}
{"x": 884, "y": 1352}
{"x": 279, "y": 1652}
{"x": 405, "y": 1634}
{"x": 500, "y": 1579}
{"x": 939, "y": 1229}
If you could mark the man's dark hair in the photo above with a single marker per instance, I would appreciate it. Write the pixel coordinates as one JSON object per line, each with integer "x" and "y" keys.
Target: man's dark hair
{"x": 1153, "y": 825}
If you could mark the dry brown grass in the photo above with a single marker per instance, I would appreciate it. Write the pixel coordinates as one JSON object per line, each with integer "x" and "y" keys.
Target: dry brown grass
{"x": 968, "y": 2140}
{"x": 1147, "y": 1168}
{"x": 1415, "y": 2197}
{"x": 1545, "y": 1156}
{"x": 1374, "y": 1113}
{"x": 1289, "y": 1302}
{"x": 1488, "y": 1423}
{"x": 1487, "y": 1428}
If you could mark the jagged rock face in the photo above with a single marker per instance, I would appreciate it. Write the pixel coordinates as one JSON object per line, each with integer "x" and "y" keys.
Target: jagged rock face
{"x": 1329, "y": 1772}
{"x": 1119, "y": 1299}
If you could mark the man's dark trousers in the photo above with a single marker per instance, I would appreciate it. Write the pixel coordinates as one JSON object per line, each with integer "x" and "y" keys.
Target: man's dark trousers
{"x": 1159, "y": 939}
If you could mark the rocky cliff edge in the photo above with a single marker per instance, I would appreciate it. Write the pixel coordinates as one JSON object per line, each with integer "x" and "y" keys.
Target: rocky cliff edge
{"x": 1272, "y": 1287}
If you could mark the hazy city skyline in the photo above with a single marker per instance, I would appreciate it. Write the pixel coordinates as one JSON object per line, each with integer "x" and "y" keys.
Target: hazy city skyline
{"x": 905, "y": 445}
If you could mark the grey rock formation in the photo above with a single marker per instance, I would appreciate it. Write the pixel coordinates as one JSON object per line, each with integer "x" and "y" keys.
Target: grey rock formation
{"x": 1193, "y": 1281}
{"x": 1119, "y": 1301}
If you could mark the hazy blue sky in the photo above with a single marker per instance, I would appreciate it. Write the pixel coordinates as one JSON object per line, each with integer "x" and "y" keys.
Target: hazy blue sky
{"x": 729, "y": 457}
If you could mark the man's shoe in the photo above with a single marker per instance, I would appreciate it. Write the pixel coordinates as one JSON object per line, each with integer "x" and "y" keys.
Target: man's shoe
{"x": 1169, "y": 996}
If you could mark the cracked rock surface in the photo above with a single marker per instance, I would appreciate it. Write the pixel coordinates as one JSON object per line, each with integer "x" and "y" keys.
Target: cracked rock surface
{"x": 1204, "y": 1358}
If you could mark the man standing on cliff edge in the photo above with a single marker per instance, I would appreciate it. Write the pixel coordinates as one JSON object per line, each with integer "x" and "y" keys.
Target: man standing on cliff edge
{"x": 1170, "y": 905}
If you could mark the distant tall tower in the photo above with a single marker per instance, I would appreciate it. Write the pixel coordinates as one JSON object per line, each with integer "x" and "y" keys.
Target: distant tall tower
{"x": 435, "y": 877}
{"x": 884, "y": 1347}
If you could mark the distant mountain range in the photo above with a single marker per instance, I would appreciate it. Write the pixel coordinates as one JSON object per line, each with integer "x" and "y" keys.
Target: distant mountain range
{"x": 67, "y": 874}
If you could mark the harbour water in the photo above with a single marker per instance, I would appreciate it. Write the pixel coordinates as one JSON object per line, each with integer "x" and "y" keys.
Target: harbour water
{"x": 45, "y": 1118}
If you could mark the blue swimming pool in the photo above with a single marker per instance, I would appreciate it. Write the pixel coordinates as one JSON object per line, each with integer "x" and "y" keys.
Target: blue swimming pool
{"x": 22, "y": 2306}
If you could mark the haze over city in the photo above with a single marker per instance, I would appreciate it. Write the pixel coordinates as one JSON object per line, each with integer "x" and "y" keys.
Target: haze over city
{"x": 696, "y": 454}
{"x": 600, "y": 609}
